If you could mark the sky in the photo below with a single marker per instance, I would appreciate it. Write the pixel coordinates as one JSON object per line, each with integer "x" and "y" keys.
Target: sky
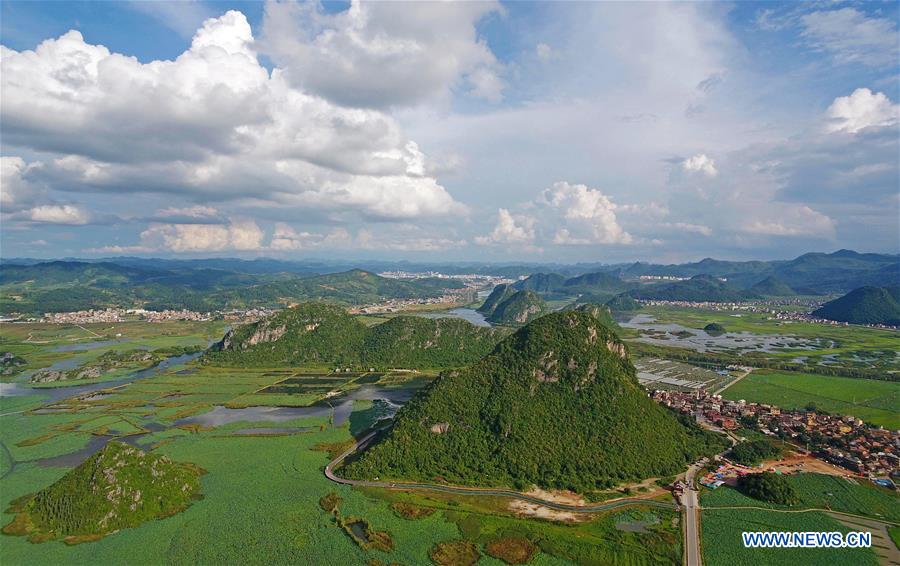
{"x": 496, "y": 131}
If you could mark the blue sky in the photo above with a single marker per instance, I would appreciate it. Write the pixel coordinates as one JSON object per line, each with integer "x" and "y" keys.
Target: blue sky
{"x": 501, "y": 131}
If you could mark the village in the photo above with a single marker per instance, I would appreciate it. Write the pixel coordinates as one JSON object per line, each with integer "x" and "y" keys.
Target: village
{"x": 833, "y": 440}
{"x": 168, "y": 315}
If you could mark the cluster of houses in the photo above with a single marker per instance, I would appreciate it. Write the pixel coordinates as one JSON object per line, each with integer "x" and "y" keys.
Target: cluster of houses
{"x": 841, "y": 440}
{"x": 398, "y": 305}
{"x": 121, "y": 315}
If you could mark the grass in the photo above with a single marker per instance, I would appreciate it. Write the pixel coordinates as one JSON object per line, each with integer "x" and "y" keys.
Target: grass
{"x": 874, "y": 401}
{"x": 818, "y": 491}
{"x": 723, "y": 546}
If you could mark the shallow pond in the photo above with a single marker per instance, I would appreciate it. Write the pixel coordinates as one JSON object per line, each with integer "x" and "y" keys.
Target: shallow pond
{"x": 670, "y": 334}
{"x": 471, "y": 315}
{"x": 338, "y": 408}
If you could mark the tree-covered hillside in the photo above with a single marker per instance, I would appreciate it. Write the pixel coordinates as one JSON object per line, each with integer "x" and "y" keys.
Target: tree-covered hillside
{"x": 325, "y": 335}
{"x": 119, "y": 487}
{"x": 623, "y": 303}
{"x": 557, "y": 404}
{"x": 772, "y": 286}
{"x": 519, "y": 308}
{"x": 540, "y": 283}
{"x": 697, "y": 288}
{"x": 866, "y": 305}
{"x": 499, "y": 294}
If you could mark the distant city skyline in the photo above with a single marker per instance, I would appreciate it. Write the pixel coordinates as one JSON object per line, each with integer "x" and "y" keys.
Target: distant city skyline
{"x": 514, "y": 132}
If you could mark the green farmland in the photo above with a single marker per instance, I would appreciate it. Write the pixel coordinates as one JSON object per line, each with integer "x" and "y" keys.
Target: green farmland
{"x": 874, "y": 401}
{"x": 723, "y": 545}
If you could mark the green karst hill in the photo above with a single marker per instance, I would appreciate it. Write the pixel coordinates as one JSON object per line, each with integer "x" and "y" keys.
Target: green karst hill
{"x": 623, "y": 303}
{"x": 601, "y": 312}
{"x": 866, "y": 305}
{"x": 556, "y": 404}
{"x": 772, "y": 287}
{"x": 322, "y": 334}
{"x": 117, "y": 488}
{"x": 519, "y": 308}
{"x": 499, "y": 294}
{"x": 540, "y": 283}
{"x": 697, "y": 288}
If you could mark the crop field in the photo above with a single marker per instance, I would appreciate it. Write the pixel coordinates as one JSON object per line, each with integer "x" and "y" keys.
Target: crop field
{"x": 656, "y": 373}
{"x": 874, "y": 401}
{"x": 846, "y": 346}
{"x": 818, "y": 491}
{"x": 723, "y": 528}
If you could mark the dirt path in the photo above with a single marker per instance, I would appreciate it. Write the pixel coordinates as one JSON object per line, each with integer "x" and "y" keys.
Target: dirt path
{"x": 730, "y": 383}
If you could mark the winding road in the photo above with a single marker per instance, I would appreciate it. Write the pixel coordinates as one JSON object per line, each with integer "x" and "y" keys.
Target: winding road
{"x": 364, "y": 441}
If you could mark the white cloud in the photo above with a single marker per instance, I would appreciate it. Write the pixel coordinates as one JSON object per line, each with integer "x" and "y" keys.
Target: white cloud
{"x": 563, "y": 215}
{"x": 792, "y": 220}
{"x": 700, "y": 163}
{"x": 16, "y": 191}
{"x": 544, "y": 52}
{"x": 851, "y": 36}
{"x": 509, "y": 230}
{"x": 382, "y": 54}
{"x": 586, "y": 216}
{"x": 213, "y": 123}
{"x": 286, "y": 238}
{"x": 862, "y": 109}
{"x": 688, "y": 227}
{"x": 238, "y": 235}
{"x": 58, "y": 214}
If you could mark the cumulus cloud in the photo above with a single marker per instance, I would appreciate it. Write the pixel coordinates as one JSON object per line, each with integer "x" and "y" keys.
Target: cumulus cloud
{"x": 587, "y": 215}
{"x": 383, "y": 54}
{"x": 851, "y": 36}
{"x": 792, "y": 220}
{"x": 58, "y": 214}
{"x": 238, "y": 235}
{"x": 16, "y": 190}
{"x": 688, "y": 227}
{"x": 563, "y": 215}
{"x": 213, "y": 123}
{"x": 861, "y": 109}
{"x": 509, "y": 230}
{"x": 700, "y": 163}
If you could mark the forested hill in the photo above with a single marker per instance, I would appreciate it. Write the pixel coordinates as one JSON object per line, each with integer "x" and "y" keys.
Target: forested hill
{"x": 517, "y": 309}
{"x": 697, "y": 288}
{"x": 772, "y": 286}
{"x": 66, "y": 286}
{"x": 325, "y": 335}
{"x": 866, "y": 305}
{"x": 557, "y": 404}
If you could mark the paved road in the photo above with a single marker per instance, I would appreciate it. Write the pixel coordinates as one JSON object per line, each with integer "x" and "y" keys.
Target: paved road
{"x": 691, "y": 520}
{"x": 364, "y": 441}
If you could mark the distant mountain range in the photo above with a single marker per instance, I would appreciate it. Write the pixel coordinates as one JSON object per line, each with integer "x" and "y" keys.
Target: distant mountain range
{"x": 866, "y": 305}
{"x": 66, "y": 286}
{"x": 809, "y": 274}
{"x": 31, "y": 286}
